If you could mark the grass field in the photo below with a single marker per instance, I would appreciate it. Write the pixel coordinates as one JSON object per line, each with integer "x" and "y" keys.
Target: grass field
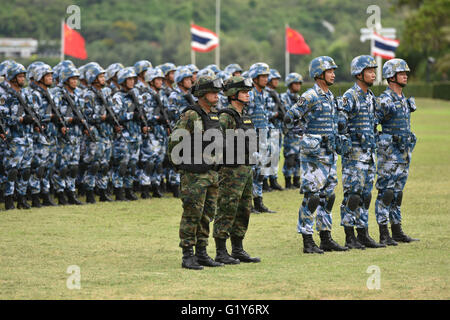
{"x": 130, "y": 250}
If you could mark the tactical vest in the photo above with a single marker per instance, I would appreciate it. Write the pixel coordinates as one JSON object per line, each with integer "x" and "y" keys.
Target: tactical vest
{"x": 209, "y": 121}
{"x": 361, "y": 126}
{"x": 322, "y": 119}
{"x": 245, "y": 123}
{"x": 399, "y": 121}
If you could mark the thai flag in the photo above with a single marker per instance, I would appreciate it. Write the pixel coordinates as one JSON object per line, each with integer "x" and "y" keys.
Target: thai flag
{"x": 384, "y": 47}
{"x": 203, "y": 40}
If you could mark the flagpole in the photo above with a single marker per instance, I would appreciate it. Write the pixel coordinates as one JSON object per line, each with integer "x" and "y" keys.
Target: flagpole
{"x": 192, "y": 50}
{"x": 286, "y": 53}
{"x": 62, "y": 40}
{"x": 217, "y": 32}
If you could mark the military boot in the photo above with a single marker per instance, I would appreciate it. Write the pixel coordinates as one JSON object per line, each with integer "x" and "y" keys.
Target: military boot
{"x": 296, "y": 182}
{"x": 90, "y": 196}
{"x": 275, "y": 185}
{"x": 266, "y": 186}
{"x": 238, "y": 252}
{"x": 72, "y": 198}
{"x": 385, "y": 238}
{"x": 350, "y": 240}
{"x": 156, "y": 191}
{"x": 222, "y": 253}
{"x": 309, "y": 246}
{"x": 287, "y": 183}
{"x": 22, "y": 202}
{"x": 328, "y": 244}
{"x": 365, "y": 239}
{"x": 204, "y": 259}
{"x": 104, "y": 196}
{"x": 176, "y": 190}
{"x": 9, "y": 202}
{"x": 145, "y": 192}
{"x": 120, "y": 196}
{"x": 62, "y": 201}
{"x": 398, "y": 235}
{"x": 36, "y": 201}
{"x": 260, "y": 207}
{"x": 47, "y": 200}
{"x": 189, "y": 261}
{"x": 130, "y": 195}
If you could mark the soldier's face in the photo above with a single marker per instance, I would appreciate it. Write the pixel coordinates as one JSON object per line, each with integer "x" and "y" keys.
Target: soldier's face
{"x": 194, "y": 77}
{"x": 262, "y": 80}
{"x": 157, "y": 83}
{"x": 129, "y": 83}
{"x": 243, "y": 96}
{"x": 187, "y": 82}
{"x": 370, "y": 75}
{"x": 236, "y": 74}
{"x": 295, "y": 87}
{"x": 20, "y": 79}
{"x": 101, "y": 79}
{"x": 402, "y": 78}
{"x": 275, "y": 82}
{"x": 171, "y": 75}
{"x": 48, "y": 79}
{"x": 72, "y": 82}
{"x": 211, "y": 97}
{"x": 329, "y": 75}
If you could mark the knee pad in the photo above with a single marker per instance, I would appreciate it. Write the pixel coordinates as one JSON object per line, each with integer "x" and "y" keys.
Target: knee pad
{"x": 148, "y": 169}
{"x": 290, "y": 161}
{"x": 13, "y": 174}
{"x": 93, "y": 168}
{"x": 73, "y": 171}
{"x": 312, "y": 201}
{"x": 122, "y": 168}
{"x": 366, "y": 201}
{"x": 26, "y": 174}
{"x": 63, "y": 172}
{"x": 399, "y": 198}
{"x": 387, "y": 196}
{"x": 353, "y": 201}
{"x": 40, "y": 172}
{"x": 330, "y": 202}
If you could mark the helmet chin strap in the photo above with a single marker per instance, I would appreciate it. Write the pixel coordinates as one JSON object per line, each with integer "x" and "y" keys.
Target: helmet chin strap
{"x": 395, "y": 81}
{"x": 363, "y": 80}
{"x": 210, "y": 104}
{"x": 322, "y": 77}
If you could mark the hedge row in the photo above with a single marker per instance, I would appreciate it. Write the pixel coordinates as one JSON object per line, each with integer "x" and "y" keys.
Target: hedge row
{"x": 437, "y": 90}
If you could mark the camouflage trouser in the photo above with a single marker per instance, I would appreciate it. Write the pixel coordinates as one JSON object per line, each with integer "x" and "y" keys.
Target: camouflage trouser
{"x": 44, "y": 156}
{"x": 318, "y": 179}
{"x": 391, "y": 176}
{"x": 148, "y": 159}
{"x": 357, "y": 179}
{"x": 158, "y": 174}
{"x": 199, "y": 193}
{"x": 125, "y": 161}
{"x": 97, "y": 160}
{"x": 234, "y": 202}
{"x": 67, "y": 158}
{"x": 291, "y": 152}
{"x": 274, "y": 140}
{"x": 18, "y": 158}
{"x": 263, "y": 166}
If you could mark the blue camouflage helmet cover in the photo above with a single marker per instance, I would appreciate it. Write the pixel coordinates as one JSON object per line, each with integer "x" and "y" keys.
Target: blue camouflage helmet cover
{"x": 125, "y": 73}
{"x": 92, "y": 72}
{"x": 57, "y": 69}
{"x": 214, "y": 68}
{"x": 258, "y": 69}
{"x": 112, "y": 70}
{"x": 292, "y": 78}
{"x": 167, "y": 67}
{"x": 31, "y": 68}
{"x": 224, "y": 75}
{"x": 391, "y": 67}
{"x": 360, "y": 63}
{"x": 154, "y": 73}
{"x": 319, "y": 65}
{"x": 4, "y": 66}
{"x": 181, "y": 73}
{"x": 142, "y": 65}
{"x": 193, "y": 68}
{"x": 234, "y": 67}
{"x": 206, "y": 72}
{"x": 14, "y": 70}
{"x": 68, "y": 72}
{"x": 274, "y": 74}
{"x": 41, "y": 70}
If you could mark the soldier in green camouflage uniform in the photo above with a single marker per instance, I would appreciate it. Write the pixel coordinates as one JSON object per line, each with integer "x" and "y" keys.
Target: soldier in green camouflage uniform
{"x": 236, "y": 177}
{"x": 199, "y": 182}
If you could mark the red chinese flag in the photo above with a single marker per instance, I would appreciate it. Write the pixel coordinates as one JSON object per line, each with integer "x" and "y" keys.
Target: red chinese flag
{"x": 74, "y": 43}
{"x": 295, "y": 43}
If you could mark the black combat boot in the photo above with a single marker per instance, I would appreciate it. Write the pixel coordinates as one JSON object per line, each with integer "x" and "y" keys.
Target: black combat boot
{"x": 398, "y": 235}
{"x": 385, "y": 238}
{"x": 189, "y": 260}
{"x": 350, "y": 240}
{"x": 328, "y": 244}
{"x": 296, "y": 182}
{"x": 9, "y": 202}
{"x": 222, "y": 253}
{"x": 62, "y": 201}
{"x": 145, "y": 192}
{"x": 22, "y": 202}
{"x": 36, "y": 200}
{"x": 130, "y": 195}
{"x": 176, "y": 190}
{"x": 287, "y": 183}
{"x": 204, "y": 259}
{"x": 309, "y": 246}
{"x": 90, "y": 196}
{"x": 365, "y": 239}
{"x": 266, "y": 186}
{"x": 72, "y": 198}
{"x": 275, "y": 185}
{"x": 260, "y": 207}
{"x": 156, "y": 191}
{"x": 47, "y": 200}
{"x": 238, "y": 252}
{"x": 104, "y": 196}
{"x": 120, "y": 196}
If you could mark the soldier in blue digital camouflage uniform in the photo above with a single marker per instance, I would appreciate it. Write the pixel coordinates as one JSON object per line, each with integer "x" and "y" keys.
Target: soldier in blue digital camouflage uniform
{"x": 357, "y": 121}
{"x": 168, "y": 69}
{"x": 97, "y": 158}
{"x": 111, "y": 77}
{"x": 235, "y": 69}
{"x": 257, "y": 110}
{"x": 126, "y": 149}
{"x": 395, "y": 145}
{"x": 316, "y": 112}
{"x": 223, "y": 100}
{"x": 179, "y": 99}
{"x": 291, "y": 138}
{"x": 275, "y": 133}
{"x": 19, "y": 149}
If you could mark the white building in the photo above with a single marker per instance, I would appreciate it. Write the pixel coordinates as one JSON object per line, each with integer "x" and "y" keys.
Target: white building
{"x": 17, "y": 47}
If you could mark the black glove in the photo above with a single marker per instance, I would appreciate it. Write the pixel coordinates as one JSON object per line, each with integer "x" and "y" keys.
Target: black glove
{"x": 136, "y": 116}
{"x": 27, "y": 119}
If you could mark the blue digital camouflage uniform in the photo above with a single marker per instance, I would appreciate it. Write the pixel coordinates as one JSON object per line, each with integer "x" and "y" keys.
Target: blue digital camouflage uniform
{"x": 318, "y": 112}
{"x": 358, "y": 164}
{"x": 395, "y": 145}
{"x": 275, "y": 132}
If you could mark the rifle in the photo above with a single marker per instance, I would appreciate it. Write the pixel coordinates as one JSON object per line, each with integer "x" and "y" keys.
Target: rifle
{"x": 279, "y": 106}
{"x": 79, "y": 115}
{"x": 137, "y": 106}
{"x": 4, "y": 132}
{"x": 55, "y": 110}
{"x": 28, "y": 111}
{"x": 164, "y": 116}
{"x": 108, "y": 109}
{"x": 189, "y": 98}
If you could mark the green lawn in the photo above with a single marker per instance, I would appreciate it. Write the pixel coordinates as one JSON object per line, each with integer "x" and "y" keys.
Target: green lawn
{"x": 130, "y": 250}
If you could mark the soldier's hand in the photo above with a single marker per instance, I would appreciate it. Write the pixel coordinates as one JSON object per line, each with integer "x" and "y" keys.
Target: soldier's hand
{"x": 2, "y": 136}
{"x": 144, "y": 130}
{"x": 104, "y": 117}
{"x": 63, "y": 130}
{"x": 117, "y": 129}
